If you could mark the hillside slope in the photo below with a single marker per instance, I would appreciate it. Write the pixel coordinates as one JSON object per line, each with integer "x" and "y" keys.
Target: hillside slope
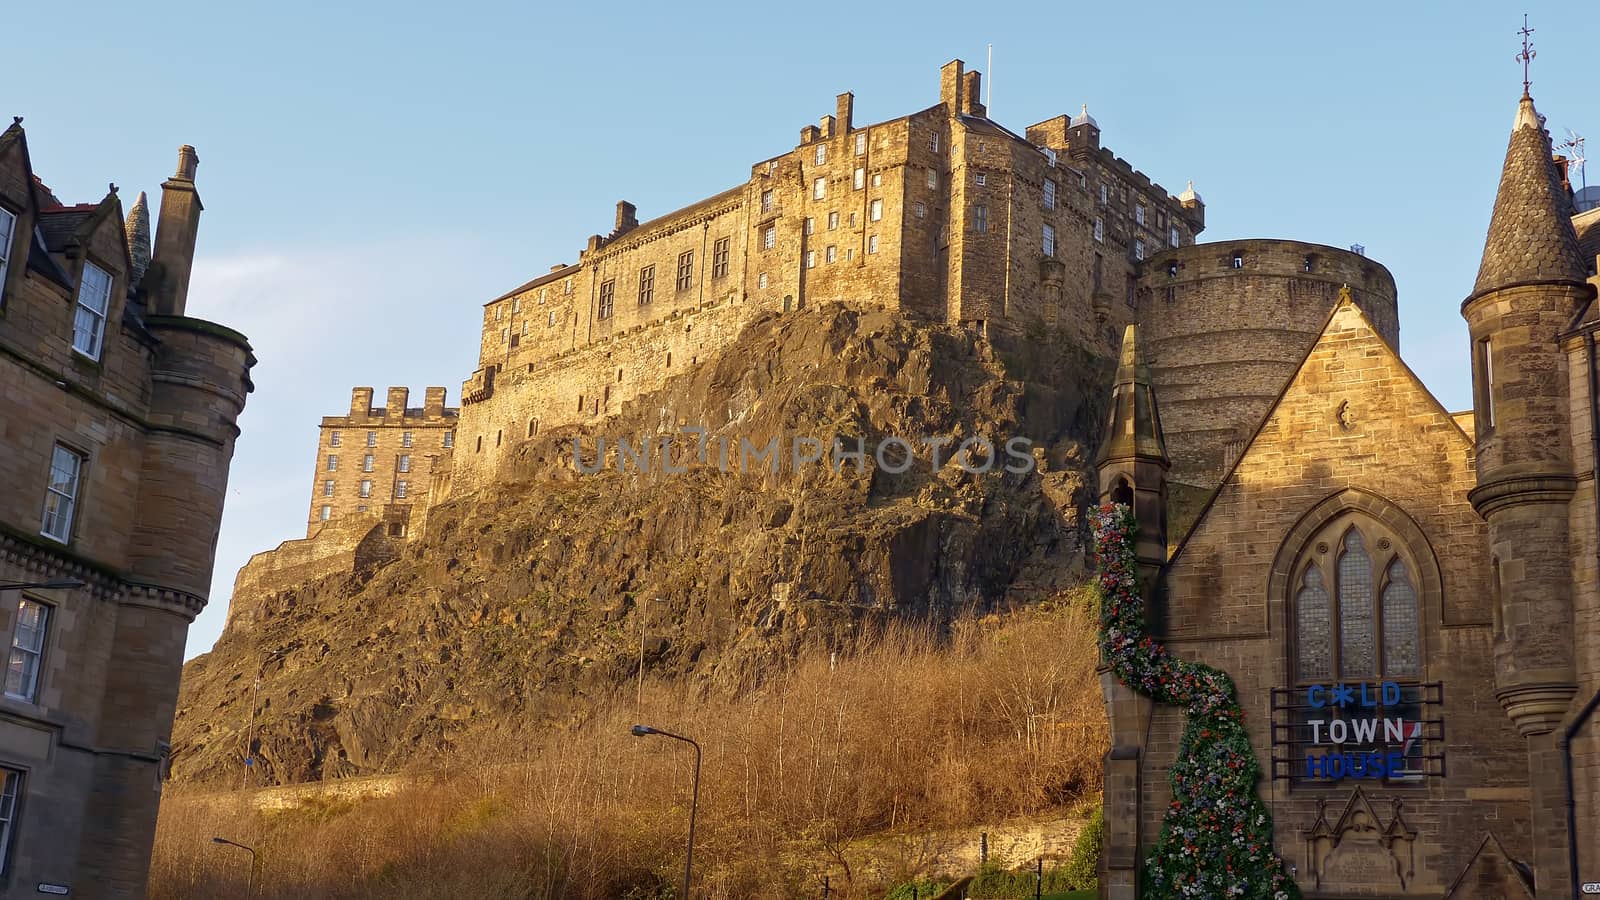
{"x": 528, "y": 603}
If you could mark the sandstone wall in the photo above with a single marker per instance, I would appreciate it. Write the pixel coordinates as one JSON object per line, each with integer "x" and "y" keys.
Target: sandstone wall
{"x": 339, "y": 546}
{"x": 391, "y": 449}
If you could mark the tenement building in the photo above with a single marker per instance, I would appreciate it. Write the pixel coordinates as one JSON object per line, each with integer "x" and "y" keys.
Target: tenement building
{"x": 117, "y": 424}
{"x": 1406, "y": 598}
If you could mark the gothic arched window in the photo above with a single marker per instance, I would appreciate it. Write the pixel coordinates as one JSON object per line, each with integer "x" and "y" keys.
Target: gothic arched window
{"x": 1355, "y": 606}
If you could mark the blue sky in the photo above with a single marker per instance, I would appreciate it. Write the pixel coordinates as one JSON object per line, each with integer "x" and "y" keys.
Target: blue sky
{"x": 372, "y": 173}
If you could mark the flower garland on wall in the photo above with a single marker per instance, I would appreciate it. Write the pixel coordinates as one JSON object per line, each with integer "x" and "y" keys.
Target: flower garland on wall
{"x": 1216, "y": 838}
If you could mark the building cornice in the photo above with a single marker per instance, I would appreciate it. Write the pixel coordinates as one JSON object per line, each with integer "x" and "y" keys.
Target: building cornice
{"x": 1521, "y": 489}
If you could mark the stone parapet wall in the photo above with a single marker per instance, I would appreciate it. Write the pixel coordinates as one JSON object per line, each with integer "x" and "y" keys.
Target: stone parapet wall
{"x": 340, "y": 546}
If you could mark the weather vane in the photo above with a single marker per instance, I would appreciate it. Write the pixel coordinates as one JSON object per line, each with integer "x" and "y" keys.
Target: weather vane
{"x": 1528, "y": 53}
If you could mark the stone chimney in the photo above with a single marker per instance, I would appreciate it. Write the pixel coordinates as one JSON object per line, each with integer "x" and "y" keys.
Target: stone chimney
{"x": 176, "y": 230}
{"x": 809, "y": 134}
{"x": 950, "y": 86}
{"x": 433, "y": 403}
{"x": 394, "y": 406}
{"x": 627, "y": 217}
{"x": 971, "y": 90}
{"x": 137, "y": 229}
{"x": 361, "y": 401}
{"x": 844, "y": 111}
{"x": 826, "y": 126}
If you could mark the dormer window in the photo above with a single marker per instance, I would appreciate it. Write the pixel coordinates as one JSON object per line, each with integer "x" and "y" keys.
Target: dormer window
{"x": 8, "y": 231}
{"x": 94, "y": 298}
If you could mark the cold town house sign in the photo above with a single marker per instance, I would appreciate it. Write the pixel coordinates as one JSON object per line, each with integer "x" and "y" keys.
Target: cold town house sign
{"x": 1382, "y": 730}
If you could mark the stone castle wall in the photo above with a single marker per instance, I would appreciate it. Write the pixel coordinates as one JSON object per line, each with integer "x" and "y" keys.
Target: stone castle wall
{"x": 1223, "y": 339}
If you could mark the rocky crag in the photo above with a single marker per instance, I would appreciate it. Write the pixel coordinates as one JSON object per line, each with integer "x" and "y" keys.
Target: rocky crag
{"x": 531, "y": 602}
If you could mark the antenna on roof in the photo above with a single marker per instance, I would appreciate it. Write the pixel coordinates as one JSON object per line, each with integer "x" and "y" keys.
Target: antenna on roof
{"x": 988, "y": 86}
{"x": 1574, "y": 146}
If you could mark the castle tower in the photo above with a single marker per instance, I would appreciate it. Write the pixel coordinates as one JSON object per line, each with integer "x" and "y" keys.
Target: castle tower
{"x": 1530, "y": 285}
{"x": 1132, "y": 465}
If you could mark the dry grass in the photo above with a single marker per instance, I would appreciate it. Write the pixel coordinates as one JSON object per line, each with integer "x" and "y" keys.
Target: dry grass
{"x": 1000, "y": 719}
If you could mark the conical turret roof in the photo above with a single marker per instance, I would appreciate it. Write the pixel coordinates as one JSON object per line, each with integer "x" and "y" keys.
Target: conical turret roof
{"x": 1134, "y": 431}
{"x": 1530, "y": 236}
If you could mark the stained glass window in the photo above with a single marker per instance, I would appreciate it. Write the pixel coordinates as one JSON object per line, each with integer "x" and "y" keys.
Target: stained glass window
{"x": 1399, "y": 623}
{"x": 1357, "y": 656}
{"x": 1315, "y": 630}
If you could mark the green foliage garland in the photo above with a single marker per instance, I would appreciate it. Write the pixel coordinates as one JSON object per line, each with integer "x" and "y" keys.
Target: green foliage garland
{"x": 1216, "y": 837}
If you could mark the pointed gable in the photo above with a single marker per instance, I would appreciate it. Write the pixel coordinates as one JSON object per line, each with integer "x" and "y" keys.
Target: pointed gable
{"x": 1354, "y": 422}
{"x": 1491, "y": 875}
{"x": 1530, "y": 235}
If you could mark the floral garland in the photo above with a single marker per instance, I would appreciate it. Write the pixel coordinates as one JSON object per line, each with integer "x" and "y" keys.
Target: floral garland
{"x": 1216, "y": 837}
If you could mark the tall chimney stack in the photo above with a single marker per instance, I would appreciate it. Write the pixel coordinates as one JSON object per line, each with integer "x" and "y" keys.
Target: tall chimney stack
{"x": 950, "y": 86}
{"x": 845, "y": 107}
{"x": 627, "y": 217}
{"x": 971, "y": 94}
{"x": 176, "y": 230}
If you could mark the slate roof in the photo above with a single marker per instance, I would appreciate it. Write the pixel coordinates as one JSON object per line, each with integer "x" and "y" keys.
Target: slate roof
{"x": 1530, "y": 236}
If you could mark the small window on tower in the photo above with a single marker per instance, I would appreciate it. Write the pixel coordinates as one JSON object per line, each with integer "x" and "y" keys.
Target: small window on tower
{"x": 861, "y": 143}
{"x": 1238, "y": 259}
{"x": 333, "y": 439}
{"x": 981, "y": 179}
{"x": 859, "y": 181}
{"x": 819, "y": 189}
{"x": 822, "y": 154}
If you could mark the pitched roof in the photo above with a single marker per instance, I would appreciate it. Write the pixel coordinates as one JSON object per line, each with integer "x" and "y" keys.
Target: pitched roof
{"x": 1530, "y": 236}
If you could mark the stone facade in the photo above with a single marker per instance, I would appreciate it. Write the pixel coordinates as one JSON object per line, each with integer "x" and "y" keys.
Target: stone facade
{"x": 1362, "y": 533}
{"x": 117, "y": 426}
{"x": 380, "y": 461}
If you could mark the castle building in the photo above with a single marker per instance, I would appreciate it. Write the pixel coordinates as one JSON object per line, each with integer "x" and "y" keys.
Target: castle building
{"x": 1406, "y": 599}
{"x": 117, "y": 425}
{"x": 378, "y": 462}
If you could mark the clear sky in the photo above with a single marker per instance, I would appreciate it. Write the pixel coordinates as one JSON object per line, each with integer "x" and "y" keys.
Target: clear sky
{"x": 374, "y": 172}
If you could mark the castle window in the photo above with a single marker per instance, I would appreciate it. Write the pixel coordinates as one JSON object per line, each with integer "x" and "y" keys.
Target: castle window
{"x": 875, "y": 211}
{"x": 1356, "y": 607}
{"x": 366, "y": 463}
{"x": 1049, "y": 241}
{"x": 400, "y": 488}
{"x": 405, "y": 462}
{"x": 761, "y": 280}
{"x": 333, "y": 439}
{"x": 1049, "y": 194}
{"x": 647, "y": 284}
{"x": 685, "y": 270}
{"x": 933, "y": 142}
{"x": 94, "y": 297}
{"x": 516, "y": 304}
{"x": 822, "y": 154}
{"x": 1138, "y": 249}
{"x": 608, "y": 298}
{"x": 980, "y": 219}
{"x": 27, "y": 651}
{"x": 366, "y": 489}
{"x": 859, "y": 180}
{"x": 405, "y": 438}
{"x": 920, "y": 209}
{"x": 769, "y": 237}
{"x": 981, "y": 179}
{"x": 766, "y": 201}
{"x": 480, "y": 437}
{"x": 1172, "y": 237}
{"x": 61, "y": 494}
{"x": 719, "y": 258}
{"x": 811, "y": 259}
{"x": 566, "y": 287}
{"x": 372, "y": 439}
{"x": 811, "y": 225}
{"x": 1172, "y": 269}
{"x": 1100, "y": 230}
{"x": 449, "y": 439}
{"x": 533, "y": 427}
{"x": 872, "y": 244}
{"x": 541, "y": 296}
{"x": 669, "y": 359}
{"x": 505, "y": 335}
{"x": 861, "y": 143}
{"x": 1310, "y": 263}
{"x": 499, "y": 434}
{"x": 819, "y": 189}
{"x": 333, "y": 463}
{"x": 1238, "y": 259}
{"x": 1104, "y": 195}
{"x": 552, "y": 322}
{"x": 497, "y": 311}
{"x": 833, "y": 253}
{"x": 833, "y": 220}
{"x": 325, "y": 513}
{"x": 1138, "y": 214}
{"x": 362, "y": 508}
{"x": 933, "y": 179}
{"x": 1486, "y": 386}
{"x": 327, "y": 488}
{"x": 877, "y": 179}
{"x": 8, "y": 231}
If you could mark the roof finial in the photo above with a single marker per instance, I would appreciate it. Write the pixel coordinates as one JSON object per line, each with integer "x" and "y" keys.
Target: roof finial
{"x": 1527, "y": 55}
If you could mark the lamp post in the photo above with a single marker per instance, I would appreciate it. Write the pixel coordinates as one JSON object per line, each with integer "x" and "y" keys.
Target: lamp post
{"x": 694, "y": 801}
{"x": 250, "y": 880}
{"x": 60, "y": 584}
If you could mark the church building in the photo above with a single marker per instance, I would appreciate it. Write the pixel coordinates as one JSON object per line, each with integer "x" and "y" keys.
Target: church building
{"x": 1405, "y": 597}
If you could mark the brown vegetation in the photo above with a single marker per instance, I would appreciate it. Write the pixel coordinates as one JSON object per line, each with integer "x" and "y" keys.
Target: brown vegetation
{"x": 833, "y": 767}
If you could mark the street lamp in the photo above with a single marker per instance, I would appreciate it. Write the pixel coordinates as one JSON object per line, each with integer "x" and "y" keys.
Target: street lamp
{"x": 250, "y": 882}
{"x": 61, "y": 584}
{"x": 694, "y": 801}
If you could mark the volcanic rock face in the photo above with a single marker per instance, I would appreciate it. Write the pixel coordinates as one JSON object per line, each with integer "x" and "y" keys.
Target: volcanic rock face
{"x": 531, "y": 602}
